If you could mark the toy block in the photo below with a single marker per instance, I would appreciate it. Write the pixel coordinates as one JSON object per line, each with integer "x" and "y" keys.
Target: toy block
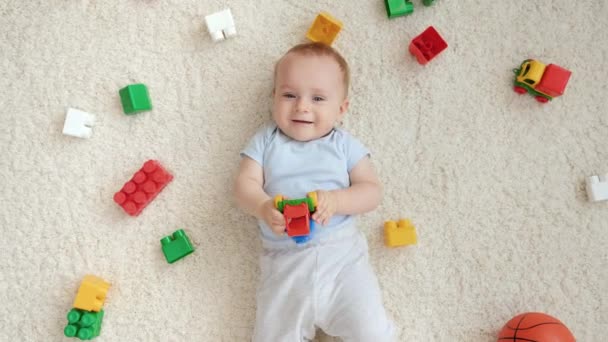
{"x": 78, "y": 123}
{"x": 400, "y": 233}
{"x": 554, "y": 80}
{"x": 297, "y": 213}
{"x": 427, "y": 2}
{"x": 324, "y": 29}
{"x": 297, "y": 219}
{"x": 305, "y": 238}
{"x": 135, "y": 98}
{"x": 145, "y": 185}
{"x": 91, "y": 294}
{"x": 176, "y": 246}
{"x": 221, "y": 25}
{"x": 83, "y": 324}
{"x": 398, "y": 8}
{"x": 597, "y": 188}
{"x": 427, "y": 45}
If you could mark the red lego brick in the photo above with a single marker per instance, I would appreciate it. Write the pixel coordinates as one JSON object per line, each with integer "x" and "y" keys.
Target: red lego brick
{"x": 297, "y": 219}
{"x": 145, "y": 185}
{"x": 554, "y": 80}
{"x": 427, "y": 45}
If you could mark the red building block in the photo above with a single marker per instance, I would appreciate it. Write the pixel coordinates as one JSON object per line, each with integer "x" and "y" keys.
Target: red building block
{"x": 554, "y": 80}
{"x": 427, "y": 45}
{"x": 297, "y": 219}
{"x": 148, "y": 182}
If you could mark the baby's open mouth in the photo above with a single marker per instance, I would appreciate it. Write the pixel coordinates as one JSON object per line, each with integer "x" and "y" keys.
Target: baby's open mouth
{"x": 302, "y": 121}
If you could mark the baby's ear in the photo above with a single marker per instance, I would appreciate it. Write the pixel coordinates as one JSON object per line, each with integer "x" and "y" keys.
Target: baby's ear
{"x": 344, "y": 107}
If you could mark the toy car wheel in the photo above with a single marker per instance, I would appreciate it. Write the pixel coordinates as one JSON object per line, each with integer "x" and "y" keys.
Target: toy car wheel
{"x": 313, "y": 197}
{"x": 519, "y": 90}
{"x": 542, "y": 99}
{"x": 277, "y": 199}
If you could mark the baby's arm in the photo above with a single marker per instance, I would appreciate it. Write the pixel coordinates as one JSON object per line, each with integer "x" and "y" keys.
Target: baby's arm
{"x": 250, "y": 196}
{"x": 363, "y": 195}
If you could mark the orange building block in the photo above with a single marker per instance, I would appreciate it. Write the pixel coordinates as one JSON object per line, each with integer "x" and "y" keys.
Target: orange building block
{"x": 400, "y": 233}
{"x": 91, "y": 294}
{"x": 324, "y": 29}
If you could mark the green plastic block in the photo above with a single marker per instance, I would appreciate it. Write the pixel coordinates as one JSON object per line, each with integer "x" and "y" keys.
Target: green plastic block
{"x": 83, "y": 324}
{"x": 294, "y": 202}
{"x": 427, "y": 2}
{"x": 398, "y": 8}
{"x": 135, "y": 98}
{"x": 176, "y": 246}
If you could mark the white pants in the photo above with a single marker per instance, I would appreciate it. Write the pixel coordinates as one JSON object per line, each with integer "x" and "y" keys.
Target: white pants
{"x": 326, "y": 283}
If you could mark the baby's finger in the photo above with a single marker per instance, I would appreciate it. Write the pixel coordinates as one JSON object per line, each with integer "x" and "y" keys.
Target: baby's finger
{"x": 321, "y": 218}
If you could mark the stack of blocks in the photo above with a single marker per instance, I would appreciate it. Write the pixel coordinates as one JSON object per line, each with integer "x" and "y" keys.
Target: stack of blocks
{"x": 84, "y": 320}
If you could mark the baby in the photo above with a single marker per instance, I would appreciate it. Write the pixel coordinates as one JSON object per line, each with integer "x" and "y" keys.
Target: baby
{"x": 326, "y": 282}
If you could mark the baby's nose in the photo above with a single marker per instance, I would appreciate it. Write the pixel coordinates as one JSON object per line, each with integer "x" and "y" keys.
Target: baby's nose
{"x": 302, "y": 105}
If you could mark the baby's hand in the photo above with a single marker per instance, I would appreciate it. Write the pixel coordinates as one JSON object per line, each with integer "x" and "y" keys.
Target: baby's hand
{"x": 272, "y": 216}
{"x": 327, "y": 203}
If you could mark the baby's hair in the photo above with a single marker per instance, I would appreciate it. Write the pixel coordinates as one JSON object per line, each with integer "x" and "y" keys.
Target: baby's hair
{"x": 319, "y": 49}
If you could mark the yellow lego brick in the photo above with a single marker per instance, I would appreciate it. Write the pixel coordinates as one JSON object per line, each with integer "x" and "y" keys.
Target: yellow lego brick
{"x": 324, "y": 29}
{"x": 91, "y": 294}
{"x": 399, "y": 234}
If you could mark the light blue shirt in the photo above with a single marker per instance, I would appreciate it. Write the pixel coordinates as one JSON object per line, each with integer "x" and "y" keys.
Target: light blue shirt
{"x": 293, "y": 168}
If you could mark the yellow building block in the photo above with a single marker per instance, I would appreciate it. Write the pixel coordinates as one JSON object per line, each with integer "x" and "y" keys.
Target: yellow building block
{"x": 324, "y": 29}
{"x": 399, "y": 234}
{"x": 91, "y": 294}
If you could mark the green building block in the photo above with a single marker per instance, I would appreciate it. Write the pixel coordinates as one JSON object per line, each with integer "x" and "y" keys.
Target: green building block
{"x": 427, "y": 2}
{"x": 294, "y": 202}
{"x": 176, "y": 246}
{"x": 83, "y": 324}
{"x": 398, "y": 8}
{"x": 135, "y": 98}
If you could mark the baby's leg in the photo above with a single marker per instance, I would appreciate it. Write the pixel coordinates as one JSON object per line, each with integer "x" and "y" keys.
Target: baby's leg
{"x": 353, "y": 308}
{"x": 284, "y": 298}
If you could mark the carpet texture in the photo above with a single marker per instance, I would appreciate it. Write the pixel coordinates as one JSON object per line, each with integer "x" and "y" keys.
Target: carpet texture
{"x": 493, "y": 181}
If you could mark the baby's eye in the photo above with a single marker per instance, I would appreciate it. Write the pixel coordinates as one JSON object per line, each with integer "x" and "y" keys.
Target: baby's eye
{"x": 318, "y": 98}
{"x": 289, "y": 96}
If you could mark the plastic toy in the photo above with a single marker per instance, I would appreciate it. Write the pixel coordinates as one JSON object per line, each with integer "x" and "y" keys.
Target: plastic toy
{"x": 145, "y": 185}
{"x": 597, "y": 188}
{"x": 221, "y": 25}
{"x": 427, "y": 45}
{"x": 176, "y": 246}
{"x": 400, "y": 233}
{"x": 297, "y": 212}
{"x": 83, "y": 324}
{"x": 324, "y": 29}
{"x": 543, "y": 82}
{"x": 78, "y": 123}
{"x": 91, "y": 294}
{"x": 135, "y": 98}
{"x": 427, "y": 2}
{"x": 398, "y": 8}
{"x": 535, "y": 326}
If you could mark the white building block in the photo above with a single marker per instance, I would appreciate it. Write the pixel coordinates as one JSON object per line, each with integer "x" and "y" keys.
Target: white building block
{"x": 78, "y": 123}
{"x": 221, "y": 25}
{"x": 597, "y": 188}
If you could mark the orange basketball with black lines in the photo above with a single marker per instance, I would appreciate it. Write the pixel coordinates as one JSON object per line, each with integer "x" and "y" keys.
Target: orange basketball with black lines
{"x": 535, "y": 327}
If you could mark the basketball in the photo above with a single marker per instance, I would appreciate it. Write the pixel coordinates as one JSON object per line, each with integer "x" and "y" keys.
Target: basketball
{"x": 535, "y": 327}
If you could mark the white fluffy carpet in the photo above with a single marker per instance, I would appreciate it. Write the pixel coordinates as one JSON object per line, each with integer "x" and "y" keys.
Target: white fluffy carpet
{"x": 493, "y": 181}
